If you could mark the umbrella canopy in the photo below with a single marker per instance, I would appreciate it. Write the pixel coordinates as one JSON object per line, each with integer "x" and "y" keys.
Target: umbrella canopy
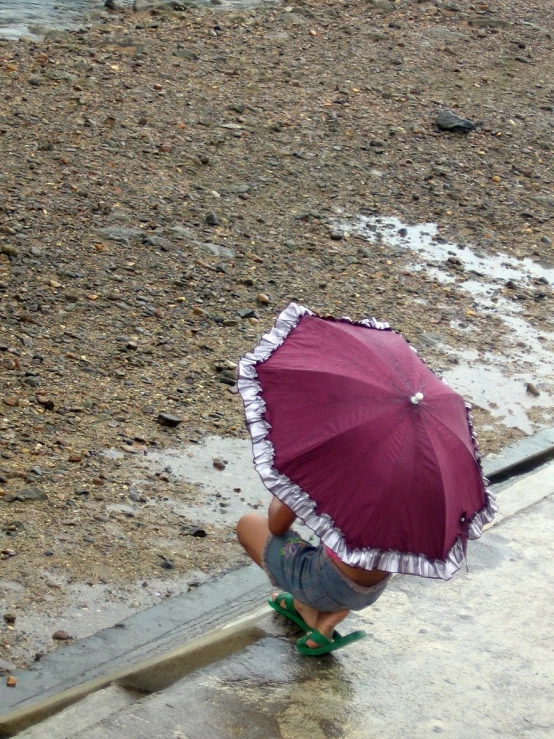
{"x": 371, "y": 449}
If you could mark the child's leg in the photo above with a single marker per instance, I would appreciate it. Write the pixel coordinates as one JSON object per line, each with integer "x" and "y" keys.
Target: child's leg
{"x": 252, "y": 531}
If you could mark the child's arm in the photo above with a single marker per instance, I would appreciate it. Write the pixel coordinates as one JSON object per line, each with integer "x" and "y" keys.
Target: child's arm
{"x": 280, "y": 517}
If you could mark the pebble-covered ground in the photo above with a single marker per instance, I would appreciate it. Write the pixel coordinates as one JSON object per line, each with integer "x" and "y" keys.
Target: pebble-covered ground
{"x": 169, "y": 182}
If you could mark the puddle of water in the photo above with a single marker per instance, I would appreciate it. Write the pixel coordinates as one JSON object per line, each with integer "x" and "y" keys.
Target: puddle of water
{"x": 420, "y": 239}
{"x": 31, "y": 18}
{"x": 223, "y": 495}
{"x": 494, "y": 381}
{"x": 28, "y": 18}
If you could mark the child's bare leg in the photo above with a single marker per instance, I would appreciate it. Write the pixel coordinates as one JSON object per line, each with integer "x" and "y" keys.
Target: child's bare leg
{"x": 252, "y": 532}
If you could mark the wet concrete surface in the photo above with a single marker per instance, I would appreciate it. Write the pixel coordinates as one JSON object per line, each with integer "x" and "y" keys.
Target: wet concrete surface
{"x": 467, "y": 658}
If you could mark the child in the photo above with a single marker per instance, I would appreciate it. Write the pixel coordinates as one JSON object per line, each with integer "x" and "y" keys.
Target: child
{"x": 320, "y": 589}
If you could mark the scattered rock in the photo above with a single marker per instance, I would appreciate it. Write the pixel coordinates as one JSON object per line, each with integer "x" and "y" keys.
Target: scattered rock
{"x": 263, "y": 299}
{"x": 212, "y": 219}
{"x": 9, "y": 618}
{"x": 248, "y": 313}
{"x": 11, "y": 681}
{"x": 197, "y": 532}
{"x": 167, "y": 419}
{"x": 45, "y": 402}
{"x": 26, "y": 495}
{"x": 446, "y": 120}
{"x": 532, "y": 389}
{"x": 219, "y": 463}
{"x": 61, "y": 635}
{"x": 381, "y": 4}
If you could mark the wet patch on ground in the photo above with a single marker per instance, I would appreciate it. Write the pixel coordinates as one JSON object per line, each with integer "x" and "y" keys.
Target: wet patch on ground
{"x": 512, "y": 381}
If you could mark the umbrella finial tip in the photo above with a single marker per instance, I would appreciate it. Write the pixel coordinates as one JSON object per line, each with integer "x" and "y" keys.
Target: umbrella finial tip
{"x": 417, "y": 398}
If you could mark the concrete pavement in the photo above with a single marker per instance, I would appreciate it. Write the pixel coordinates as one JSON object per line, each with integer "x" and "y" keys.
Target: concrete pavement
{"x": 469, "y": 659}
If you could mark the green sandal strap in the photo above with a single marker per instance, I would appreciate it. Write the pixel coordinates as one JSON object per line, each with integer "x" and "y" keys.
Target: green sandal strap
{"x": 289, "y": 611}
{"x": 327, "y": 645}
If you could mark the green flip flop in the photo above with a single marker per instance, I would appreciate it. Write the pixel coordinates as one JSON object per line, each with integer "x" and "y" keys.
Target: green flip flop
{"x": 327, "y": 645}
{"x": 289, "y": 611}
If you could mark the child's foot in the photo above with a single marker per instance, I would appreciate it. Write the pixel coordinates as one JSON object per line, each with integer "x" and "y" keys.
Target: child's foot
{"x": 325, "y": 624}
{"x": 308, "y": 614}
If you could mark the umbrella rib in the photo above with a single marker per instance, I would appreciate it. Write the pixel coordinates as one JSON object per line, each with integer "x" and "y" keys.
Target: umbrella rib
{"x": 376, "y": 358}
{"x": 439, "y": 420}
{"x": 438, "y": 467}
{"x": 386, "y": 490}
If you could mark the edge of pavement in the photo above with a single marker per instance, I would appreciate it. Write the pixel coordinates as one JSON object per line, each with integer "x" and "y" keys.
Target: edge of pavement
{"x": 153, "y": 648}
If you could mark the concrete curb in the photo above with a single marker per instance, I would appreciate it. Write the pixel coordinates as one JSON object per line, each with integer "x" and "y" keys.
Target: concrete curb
{"x": 520, "y": 456}
{"x": 89, "y": 664}
{"x": 140, "y": 652}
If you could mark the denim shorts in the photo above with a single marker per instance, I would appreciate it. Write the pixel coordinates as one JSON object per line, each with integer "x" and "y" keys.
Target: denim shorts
{"x": 309, "y": 574}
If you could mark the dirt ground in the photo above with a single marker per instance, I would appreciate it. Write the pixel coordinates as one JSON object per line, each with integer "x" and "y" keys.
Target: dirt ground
{"x": 169, "y": 182}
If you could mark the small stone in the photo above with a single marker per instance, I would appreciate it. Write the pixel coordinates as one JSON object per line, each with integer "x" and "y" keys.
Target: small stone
{"x": 248, "y": 313}
{"x": 166, "y": 148}
{"x": 167, "y": 419}
{"x": 546, "y": 240}
{"x": 219, "y": 463}
{"x": 61, "y": 635}
{"x": 9, "y": 618}
{"x": 9, "y": 250}
{"x": 446, "y": 120}
{"x": 11, "y": 401}
{"x": 262, "y": 298}
{"x": 101, "y": 517}
{"x": 45, "y": 402}
{"x": 167, "y": 565}
{"x": 197, "y": 532}
{"x": 381, "y": 4}
{"x": 212, "y": 219}
{"x": 35, "y": 80}
{"x": 336, "y": 235}
{"x": 75, "y": 457}
{"x": 11, "y": 682}
{"x": 532, "y": 389}
{"x": 25, "y": 495}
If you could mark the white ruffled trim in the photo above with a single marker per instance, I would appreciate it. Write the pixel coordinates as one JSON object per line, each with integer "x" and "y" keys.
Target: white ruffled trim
{"x": 299, "y": 501}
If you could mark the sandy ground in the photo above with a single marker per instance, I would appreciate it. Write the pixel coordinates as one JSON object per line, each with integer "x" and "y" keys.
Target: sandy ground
{"x": 170, "y": 182}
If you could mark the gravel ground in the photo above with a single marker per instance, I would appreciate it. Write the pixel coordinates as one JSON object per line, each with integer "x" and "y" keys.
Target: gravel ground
{"x": 171, "y": 181}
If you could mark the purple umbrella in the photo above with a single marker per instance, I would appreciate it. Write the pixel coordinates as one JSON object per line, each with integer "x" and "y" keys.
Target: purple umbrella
{"x": 368, "y": 447}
